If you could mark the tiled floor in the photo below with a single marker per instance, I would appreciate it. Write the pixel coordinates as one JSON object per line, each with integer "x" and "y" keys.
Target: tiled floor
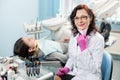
{"x": 116, "y": 70}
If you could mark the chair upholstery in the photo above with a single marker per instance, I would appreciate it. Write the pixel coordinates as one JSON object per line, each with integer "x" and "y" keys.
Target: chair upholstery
{"x": 107, "y": 66}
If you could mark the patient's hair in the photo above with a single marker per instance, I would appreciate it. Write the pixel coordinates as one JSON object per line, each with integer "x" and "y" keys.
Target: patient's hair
{"x": 21, "y": 49}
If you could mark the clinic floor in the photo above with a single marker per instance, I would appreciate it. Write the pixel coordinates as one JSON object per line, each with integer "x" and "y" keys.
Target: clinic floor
{"x": 114, "y": 50}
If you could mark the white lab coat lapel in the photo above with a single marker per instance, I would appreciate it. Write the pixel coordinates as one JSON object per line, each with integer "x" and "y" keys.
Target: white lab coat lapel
{"x": 82, "y": 63}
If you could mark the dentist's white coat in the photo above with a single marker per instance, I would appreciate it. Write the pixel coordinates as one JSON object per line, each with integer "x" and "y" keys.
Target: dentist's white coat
{"x": 86, "y": 65}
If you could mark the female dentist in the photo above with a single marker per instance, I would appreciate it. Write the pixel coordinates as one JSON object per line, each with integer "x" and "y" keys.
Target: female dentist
{"x": 85, "y": 49}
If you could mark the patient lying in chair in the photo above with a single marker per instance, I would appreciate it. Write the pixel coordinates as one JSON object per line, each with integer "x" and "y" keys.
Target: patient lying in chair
{"x": 42, "y": 49}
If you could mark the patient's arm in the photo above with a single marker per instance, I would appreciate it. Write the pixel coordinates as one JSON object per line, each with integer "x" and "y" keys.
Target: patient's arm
{"x": 66, "y": 40}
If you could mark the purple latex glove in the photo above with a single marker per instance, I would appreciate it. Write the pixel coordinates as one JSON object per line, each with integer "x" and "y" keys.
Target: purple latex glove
{"x": 62, "y": 71}
{"x": 81, "y": 41}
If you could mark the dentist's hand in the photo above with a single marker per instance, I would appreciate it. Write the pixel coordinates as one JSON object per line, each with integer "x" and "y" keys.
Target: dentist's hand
{"x": 81, "y": 41}
{"x": 62, "y": 71}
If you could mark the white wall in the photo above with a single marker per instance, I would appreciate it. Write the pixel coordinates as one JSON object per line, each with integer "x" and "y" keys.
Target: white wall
{"x": 13, "y": 13}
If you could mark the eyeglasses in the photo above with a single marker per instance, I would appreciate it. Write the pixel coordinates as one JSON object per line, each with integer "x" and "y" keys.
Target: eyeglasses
{"x": 82, "y": 18}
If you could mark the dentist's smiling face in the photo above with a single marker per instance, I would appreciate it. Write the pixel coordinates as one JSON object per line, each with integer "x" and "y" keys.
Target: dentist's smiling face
{"x": 82, "y": 19}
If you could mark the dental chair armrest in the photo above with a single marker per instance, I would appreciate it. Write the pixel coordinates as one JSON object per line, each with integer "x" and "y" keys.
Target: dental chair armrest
{"x": 49, "y": 62}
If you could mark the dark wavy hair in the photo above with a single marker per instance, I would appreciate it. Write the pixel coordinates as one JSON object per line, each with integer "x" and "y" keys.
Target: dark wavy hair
{"x": 21, "y": 49}
{"x": 92, "y": 26}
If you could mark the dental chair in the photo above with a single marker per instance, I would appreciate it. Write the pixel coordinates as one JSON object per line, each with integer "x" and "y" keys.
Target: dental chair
{"x": 107, "y": 66}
